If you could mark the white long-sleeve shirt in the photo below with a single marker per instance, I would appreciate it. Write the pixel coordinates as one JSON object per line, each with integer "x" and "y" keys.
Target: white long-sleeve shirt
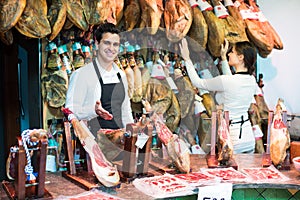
{"x": 236, "y": 93}
{"x": 84, "y": 90}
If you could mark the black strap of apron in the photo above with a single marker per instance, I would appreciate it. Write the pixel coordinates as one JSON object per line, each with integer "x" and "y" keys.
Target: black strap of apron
{"x": 241, "y": 124}
{"x": 99, "y": 75}
{"x": 97, "y": 70}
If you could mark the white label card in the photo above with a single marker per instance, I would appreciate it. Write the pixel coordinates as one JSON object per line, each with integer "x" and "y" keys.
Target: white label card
{"x": 222, "y": 191}
{"x": 141, "y": 140}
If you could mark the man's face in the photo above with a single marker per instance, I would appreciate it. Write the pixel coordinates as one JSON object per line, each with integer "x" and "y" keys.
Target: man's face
{"x": 108, "y": 47}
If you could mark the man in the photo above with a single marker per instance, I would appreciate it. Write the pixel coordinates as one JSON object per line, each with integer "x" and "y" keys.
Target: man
{"x": 99, "y": 90}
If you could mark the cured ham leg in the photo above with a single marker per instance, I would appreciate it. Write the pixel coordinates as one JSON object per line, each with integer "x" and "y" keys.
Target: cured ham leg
{"x": 257, "y": 33}
{"x": 102, "y": 168}
{"x": 276, "y": 39}
{"x": 198, "y": 30}
{"x": 216, "y": 31}
{"x": 178, "y": 19}
{"x": 132, "y": 14}
{"x": 176, "y": 147}
{"x": 279, "y": 138}
{"x": 75, "y": 13}
{"x": 151, "y": 12}
{"x": 225, "y": 148}
{"x": 33, "y": 22}
{"x": 11, "y": 11}
{"x": 233, "y": 32}
{"x": 57, "y": 15}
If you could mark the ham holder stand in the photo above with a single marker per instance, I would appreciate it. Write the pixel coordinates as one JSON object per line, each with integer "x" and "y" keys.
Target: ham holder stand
{"x": 134, "y": 163}
{"x": 212, "y": 158}
{"x": 22, "y": 189}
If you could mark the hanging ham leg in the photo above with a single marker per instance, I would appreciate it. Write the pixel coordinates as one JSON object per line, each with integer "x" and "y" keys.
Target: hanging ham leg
{"x": 276, "y": 39}
{"x": 102, "y": 168}
{"x": 198, "y": 30}
{"x": 178, "y": 19}
{"x": 176, "y": 147}
{"x": 257, "y": 33}
{"x": 132, "y": 14}
{"x": 233, "y": 32}
{"x": 151, "y": 12}
{"x": 216, "y": 32}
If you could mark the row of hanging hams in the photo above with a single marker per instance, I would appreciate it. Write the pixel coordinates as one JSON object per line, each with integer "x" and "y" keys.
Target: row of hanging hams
{"x": 208, "y": 22}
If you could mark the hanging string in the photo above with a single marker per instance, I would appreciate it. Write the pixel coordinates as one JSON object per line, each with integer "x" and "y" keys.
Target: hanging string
{"x": 26, "y": 140}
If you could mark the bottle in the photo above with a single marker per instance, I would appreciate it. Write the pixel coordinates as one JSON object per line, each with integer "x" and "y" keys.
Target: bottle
{"x": 51, "y": 164}
{"x": 139, "y": 57}
{"x": 53, "y": 59}
{"x": 78, "y": 57}
{"x": 87, "y": 54}
{"x": 63, "y": 52}
{"x": 130, "y": 56}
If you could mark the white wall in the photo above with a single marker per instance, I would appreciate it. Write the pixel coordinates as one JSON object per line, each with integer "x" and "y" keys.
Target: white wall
{"x": 281, "y": 69}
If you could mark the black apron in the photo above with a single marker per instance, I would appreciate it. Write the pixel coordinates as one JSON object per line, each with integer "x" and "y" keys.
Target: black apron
{"x": 112, "y": 97}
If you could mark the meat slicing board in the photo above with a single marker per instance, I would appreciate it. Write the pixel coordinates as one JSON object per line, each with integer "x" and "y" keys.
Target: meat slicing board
{"x": 212, "y": 162}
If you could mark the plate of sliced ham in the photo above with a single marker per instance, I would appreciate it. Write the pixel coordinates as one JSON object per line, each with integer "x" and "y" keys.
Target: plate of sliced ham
{"x": 198, "y": 178}
{"x": 269, "y": 174}
{"x": 163, "y": 186}
{"x": 227, "y": 174}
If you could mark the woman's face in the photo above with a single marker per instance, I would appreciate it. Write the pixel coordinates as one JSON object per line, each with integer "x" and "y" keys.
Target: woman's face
{"x": 234, "y": 58}
{"x": 108, "y": 47}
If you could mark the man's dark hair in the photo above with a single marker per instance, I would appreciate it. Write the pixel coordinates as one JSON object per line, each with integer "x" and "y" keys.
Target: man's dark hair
{"x": 105, "y": 28}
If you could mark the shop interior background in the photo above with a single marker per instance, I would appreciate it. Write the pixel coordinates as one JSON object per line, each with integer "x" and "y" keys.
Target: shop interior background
{"x": 281, "y": 69}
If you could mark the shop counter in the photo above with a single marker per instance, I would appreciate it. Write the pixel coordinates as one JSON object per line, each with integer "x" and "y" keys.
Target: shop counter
{"x": 57, "y": 185}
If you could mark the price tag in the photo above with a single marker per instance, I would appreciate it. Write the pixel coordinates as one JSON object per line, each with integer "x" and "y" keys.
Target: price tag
{"x": 222, "y": 191}
{"x": 141, "y": 140}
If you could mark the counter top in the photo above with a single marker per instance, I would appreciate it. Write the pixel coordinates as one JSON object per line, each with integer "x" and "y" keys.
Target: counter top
{"x": 57, "y": 185}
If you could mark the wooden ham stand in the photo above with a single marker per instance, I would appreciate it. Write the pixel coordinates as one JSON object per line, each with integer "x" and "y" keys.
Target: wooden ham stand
{"x": 19, "y": 189}
{"x": 266, "y": 159}
{"x": 211, "y": 159}
{"x": 83, "y": 177}
{"x": 128, "y": 167}
{"x": 135, "y": 160}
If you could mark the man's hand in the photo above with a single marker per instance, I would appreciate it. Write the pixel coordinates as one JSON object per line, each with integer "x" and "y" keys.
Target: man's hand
{"x": 102, "y": 112}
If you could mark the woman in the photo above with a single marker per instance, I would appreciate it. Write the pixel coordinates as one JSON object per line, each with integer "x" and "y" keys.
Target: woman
{"x": 234, "y": 92}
